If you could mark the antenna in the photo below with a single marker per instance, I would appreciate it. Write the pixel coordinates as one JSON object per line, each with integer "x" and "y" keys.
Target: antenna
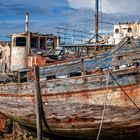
{"x": 27, "y": 22}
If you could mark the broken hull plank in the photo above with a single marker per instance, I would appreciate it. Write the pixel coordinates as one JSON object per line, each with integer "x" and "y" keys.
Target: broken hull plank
{"x": 75, "y": 114}
{"x": 76, "y": 111}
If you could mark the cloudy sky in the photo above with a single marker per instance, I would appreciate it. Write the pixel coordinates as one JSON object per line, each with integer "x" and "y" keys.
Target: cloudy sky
{"x": 45, "y": 15}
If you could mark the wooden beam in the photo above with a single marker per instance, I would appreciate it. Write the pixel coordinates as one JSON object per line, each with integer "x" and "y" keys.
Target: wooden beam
{"x": 38, "y": 104}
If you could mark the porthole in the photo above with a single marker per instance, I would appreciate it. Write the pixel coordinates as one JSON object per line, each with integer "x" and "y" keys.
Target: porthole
{"x": 117, "y": 30}
{"x": 129, "y": 30}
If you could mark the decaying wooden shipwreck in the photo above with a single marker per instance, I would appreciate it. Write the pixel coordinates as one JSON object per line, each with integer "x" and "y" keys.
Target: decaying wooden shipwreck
{"x": 73, "y": 107}
{"x": 81, "y": 99}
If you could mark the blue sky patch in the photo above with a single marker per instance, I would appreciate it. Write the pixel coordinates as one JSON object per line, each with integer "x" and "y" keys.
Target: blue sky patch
{"x": 45, "y": 15}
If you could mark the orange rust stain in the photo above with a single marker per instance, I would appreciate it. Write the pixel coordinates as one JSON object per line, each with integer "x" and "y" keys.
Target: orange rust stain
{"x": 37, "y": 60}
{"x": 90, "y": 91}
{"x": 131, "y": 91}
{"x": 2, "y": 122}
{"x": 41, "y": 61}
{"x": 93, "y": 71}
{"x": 16, "y": 95}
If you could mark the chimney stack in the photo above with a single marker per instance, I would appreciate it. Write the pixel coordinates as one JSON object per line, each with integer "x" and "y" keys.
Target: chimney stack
{"x": 27, "y": 22}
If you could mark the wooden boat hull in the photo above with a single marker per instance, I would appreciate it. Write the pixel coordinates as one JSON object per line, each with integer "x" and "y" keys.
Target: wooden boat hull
{"x": 76, "y": 113}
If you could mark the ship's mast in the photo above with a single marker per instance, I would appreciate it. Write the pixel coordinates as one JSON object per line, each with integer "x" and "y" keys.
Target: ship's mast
{"x": 96, "y": 19}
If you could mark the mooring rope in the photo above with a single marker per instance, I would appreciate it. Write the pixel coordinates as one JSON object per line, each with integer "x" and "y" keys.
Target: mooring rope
{"x": 44, "y": 119}
{"x": 103, "y": 113}
{"x": 124, "y": 91}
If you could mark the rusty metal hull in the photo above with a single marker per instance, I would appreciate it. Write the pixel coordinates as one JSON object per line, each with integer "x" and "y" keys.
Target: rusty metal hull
{"x": 73, "y": 107}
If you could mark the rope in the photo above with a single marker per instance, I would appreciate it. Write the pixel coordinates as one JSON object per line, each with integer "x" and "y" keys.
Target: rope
{"x": 124, "y": 91}
{"x": 103, "y": 113}
{"x": 43, "y": 118}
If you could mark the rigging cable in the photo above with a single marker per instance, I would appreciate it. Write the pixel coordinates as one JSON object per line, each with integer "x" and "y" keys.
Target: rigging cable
{"x": 103, "y": 113}
{"x": 124, "y": 91}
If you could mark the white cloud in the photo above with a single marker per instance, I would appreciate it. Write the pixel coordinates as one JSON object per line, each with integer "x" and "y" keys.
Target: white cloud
{"x": 109, "y": 6}
{"x": 81, "y": 3}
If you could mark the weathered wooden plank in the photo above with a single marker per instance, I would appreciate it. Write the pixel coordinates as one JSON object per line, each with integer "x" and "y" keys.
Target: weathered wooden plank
{"x": 38, "y": 105}
{"x": 79, "y": 115}
{"x": 64, "y": 68}
{"x": 91, "y": 81}
{"x": 126, "y": 51}
{"x": 73, "y": 106}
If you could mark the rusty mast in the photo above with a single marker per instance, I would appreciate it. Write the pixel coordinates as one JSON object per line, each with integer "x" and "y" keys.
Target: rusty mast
{"x": 96, "y": 19}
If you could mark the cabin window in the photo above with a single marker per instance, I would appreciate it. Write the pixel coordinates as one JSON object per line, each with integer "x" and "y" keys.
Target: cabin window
{"x": 42, "y": 43}
{"x": 117, "y": 30}
{"x": 50, "y": 43}
{"x": 33, "y": 42}
{"x": 129, "y": 30}
{"x": 20, "y": 41}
